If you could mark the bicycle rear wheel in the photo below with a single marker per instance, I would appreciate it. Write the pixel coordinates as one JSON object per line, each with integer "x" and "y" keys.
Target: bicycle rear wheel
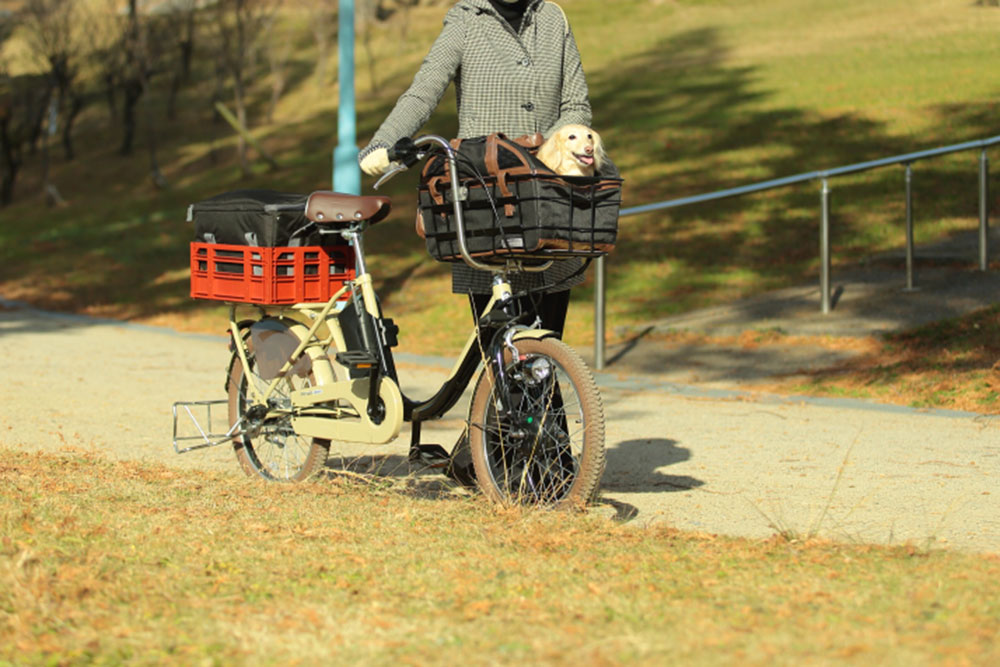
{"x": 545, "y": 443}
{"x": 270, "y": 448}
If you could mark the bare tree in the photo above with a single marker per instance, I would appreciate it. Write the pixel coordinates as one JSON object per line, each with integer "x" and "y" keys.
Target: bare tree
{"x": 23, "y": 102}
{"x": 10, "y": 141}
{"x": 323, "y": 21}
{"x": 278, "y": 49}
{"x": 239, "y": 27}
{"x": 179, "y": 28}
{"x": 55, "y": 32}
{"x": 22, "y": 106}
{"x": 366, "y": 16}
{"x": 134, "y": 73}
{"x": 10, "y": 148}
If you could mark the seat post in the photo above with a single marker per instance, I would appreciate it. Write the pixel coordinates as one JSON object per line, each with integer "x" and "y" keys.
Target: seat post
{"x": 360, "y": 268}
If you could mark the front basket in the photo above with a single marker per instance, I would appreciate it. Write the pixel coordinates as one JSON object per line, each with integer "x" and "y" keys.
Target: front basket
{"x": 532, "y": 216}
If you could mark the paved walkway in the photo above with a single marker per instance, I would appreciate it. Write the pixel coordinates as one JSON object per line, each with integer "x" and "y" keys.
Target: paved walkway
{"x": 685, "y": 444}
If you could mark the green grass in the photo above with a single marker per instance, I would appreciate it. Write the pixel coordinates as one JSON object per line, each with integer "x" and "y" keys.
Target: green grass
{"x": 691, "y": 96}
{"x": 108, "y": 563}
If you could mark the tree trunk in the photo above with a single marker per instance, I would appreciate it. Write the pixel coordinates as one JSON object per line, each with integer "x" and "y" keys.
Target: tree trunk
{"x": 11, "y": 160}
{"x": 49, "y": 190}
{"x": 75, "y": 107}
{"x": 110, "y": 97}
{"x": 37, "y": 121}
{"x": 159, "y": 180}
{"x": 133, "y": 91}
{"x": 175, "y": 89}
{"x": 183, "y": 73}
{"x": 219, "y": 93}
{"x": 187, "y": 54}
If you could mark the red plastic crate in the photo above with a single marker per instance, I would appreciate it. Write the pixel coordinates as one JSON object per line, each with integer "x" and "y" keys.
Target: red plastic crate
{"x": 282, "y": 275}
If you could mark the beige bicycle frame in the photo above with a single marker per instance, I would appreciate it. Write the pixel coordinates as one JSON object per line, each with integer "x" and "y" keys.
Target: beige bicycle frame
{"x": 317, "y": 411}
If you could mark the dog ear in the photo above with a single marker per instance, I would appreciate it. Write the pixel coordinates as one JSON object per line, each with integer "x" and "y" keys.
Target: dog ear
{"x": 599, "y": 155}
{"x": 550, "y": 152}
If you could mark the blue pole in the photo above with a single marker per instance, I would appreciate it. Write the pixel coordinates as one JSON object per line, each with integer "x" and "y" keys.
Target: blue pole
{"x": 346, "y": 172}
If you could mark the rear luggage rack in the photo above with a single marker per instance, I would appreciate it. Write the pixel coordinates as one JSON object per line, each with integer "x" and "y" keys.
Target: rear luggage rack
{"x": 202, "y": 431}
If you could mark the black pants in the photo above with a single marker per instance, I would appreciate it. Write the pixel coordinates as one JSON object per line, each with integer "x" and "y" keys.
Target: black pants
{"x": 552, "y": 309}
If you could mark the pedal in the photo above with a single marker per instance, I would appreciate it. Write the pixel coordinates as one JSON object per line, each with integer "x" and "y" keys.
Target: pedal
{"x": 356, "y": 359}
{"x": 431, "y": 456}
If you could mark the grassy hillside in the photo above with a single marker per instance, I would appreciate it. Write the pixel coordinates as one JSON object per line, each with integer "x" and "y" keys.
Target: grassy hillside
{"x": 690, "y": 95}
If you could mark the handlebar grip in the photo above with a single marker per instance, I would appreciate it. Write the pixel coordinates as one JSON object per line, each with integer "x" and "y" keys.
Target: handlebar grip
{"x": 404, "y": 151}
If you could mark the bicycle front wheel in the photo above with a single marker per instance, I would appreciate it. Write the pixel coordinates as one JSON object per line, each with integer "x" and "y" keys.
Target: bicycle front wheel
{"x": 537, "y": 436}
{"x": 270, "y": 447}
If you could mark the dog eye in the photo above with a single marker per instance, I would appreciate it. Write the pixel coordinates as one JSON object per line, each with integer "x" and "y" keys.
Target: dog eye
{"x": 590, "y": 136}
{"x": 572, "y": 137}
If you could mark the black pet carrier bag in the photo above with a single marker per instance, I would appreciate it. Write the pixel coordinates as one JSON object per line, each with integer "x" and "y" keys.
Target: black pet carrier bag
{"x": 516, "y": 206}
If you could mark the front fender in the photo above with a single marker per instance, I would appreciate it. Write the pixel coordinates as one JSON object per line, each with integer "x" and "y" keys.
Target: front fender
{"x": 535, "y": 334}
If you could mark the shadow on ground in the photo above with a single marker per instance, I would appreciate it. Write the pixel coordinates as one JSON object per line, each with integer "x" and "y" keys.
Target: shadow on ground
{"x": 635, "y": 465}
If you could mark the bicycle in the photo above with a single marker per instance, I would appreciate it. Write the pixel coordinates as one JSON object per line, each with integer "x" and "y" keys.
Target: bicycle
{"x": 304, "y": 374}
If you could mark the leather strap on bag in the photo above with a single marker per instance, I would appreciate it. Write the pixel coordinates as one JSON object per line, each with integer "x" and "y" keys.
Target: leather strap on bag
{"x": 432, "y": 189}
{"x": 530, "y": 140}
{"x": 493, "y": 166}
{"x": 455, "y": 143}
{"x": 418, "y": 224}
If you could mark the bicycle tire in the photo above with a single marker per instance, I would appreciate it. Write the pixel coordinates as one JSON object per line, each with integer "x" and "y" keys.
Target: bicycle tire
{"x": 549, "y": 450}
{"x": 271, "y": 450}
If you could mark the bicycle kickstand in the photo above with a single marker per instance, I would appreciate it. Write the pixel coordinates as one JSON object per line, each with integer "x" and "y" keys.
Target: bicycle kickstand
{"x": 430, "y": 456}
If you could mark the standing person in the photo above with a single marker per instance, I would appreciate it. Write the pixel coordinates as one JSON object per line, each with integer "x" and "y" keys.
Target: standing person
{"x": 517, "y": 70}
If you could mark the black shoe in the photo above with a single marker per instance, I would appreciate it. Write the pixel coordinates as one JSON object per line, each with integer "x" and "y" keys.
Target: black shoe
{"x": 460, "y": 466}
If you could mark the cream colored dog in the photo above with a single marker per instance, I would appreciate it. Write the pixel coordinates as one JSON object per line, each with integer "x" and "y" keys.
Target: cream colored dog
{"x": 573, "y": 150}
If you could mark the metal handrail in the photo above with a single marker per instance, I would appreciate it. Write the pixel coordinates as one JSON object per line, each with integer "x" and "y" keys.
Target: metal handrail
{"x": 824, "y": 175}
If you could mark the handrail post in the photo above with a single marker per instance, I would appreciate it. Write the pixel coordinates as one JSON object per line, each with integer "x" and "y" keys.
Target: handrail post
{"x": 599, "y": 297}
{"x": 824, "y": 249}
{"x": 984, "y": 211}
{"x": 909, "y": 227}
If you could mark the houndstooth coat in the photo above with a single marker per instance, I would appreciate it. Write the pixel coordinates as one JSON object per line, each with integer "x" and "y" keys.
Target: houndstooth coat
{"x": 517, "y": 84}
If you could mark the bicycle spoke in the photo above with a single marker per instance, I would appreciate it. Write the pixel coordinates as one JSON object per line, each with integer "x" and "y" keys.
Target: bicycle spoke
{"x": 272, "y": 448}
{"x": 534, "y": 450}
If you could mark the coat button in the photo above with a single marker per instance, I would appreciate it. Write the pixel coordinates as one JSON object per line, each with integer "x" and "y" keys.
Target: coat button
{"x": 528, "y": 106}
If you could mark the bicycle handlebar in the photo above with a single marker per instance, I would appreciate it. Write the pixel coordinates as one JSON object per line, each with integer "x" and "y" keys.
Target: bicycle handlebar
{"x": 406, "y": 153}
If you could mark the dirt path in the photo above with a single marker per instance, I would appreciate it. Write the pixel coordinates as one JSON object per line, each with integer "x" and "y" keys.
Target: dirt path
{"x": 719, "y": 462}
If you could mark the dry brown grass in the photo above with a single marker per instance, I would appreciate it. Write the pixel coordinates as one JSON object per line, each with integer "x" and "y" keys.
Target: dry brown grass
{"x": 106, "y": 562}
{"x": 949, "y": 364}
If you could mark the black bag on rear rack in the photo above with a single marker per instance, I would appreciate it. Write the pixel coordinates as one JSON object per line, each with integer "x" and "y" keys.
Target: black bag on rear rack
{"x": 516, "y": 206}
{"x": 250, "y": 218}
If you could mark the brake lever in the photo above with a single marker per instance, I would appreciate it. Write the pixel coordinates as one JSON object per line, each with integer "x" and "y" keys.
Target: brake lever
{"x": 394, "y": 169}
